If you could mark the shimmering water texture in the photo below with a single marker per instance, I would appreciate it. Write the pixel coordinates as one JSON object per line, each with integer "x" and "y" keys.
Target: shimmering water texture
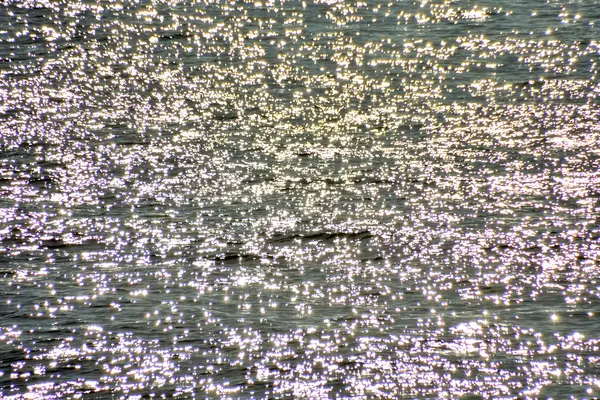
{"x": 299, "y": 199}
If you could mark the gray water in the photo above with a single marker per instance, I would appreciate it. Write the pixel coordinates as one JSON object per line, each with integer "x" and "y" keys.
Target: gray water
{"x": 299, "y": 199}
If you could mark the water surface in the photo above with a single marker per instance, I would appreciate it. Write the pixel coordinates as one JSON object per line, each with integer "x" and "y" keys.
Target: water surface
{"x": 299, "y": 199}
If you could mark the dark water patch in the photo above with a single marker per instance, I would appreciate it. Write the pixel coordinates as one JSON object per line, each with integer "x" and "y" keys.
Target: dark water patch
{"x": 322, "y": 236}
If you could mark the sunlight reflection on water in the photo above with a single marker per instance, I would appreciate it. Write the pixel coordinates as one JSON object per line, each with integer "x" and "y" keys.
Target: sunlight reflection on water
{"x": 299, "y": 199}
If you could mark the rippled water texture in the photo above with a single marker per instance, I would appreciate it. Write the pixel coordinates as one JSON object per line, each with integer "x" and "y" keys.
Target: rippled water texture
{"x": 299, "y": 199}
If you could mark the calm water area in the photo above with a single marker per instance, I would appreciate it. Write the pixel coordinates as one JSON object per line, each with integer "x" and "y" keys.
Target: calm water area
{"x": 299, "y": 199}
